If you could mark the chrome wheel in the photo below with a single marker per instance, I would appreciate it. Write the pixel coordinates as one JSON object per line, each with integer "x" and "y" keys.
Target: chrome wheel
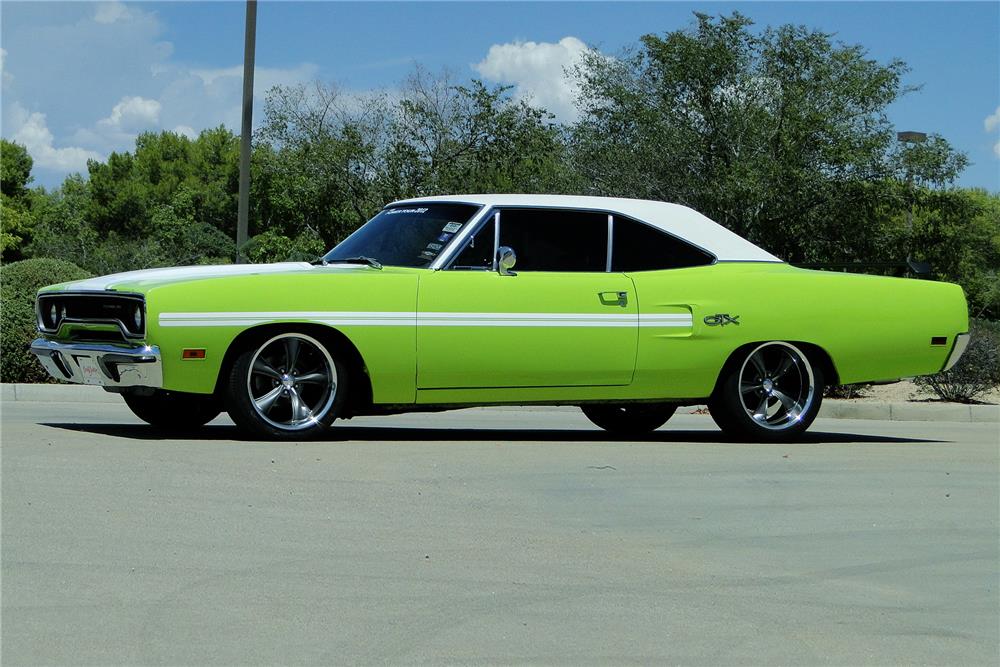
{"x": 777, "y": 386}
{"x": 291, "y": 382}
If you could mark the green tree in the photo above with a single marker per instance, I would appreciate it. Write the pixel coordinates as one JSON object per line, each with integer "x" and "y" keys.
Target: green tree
{"x": 126, "y": 190}
{"x": 15, "y": 169}
{"x": 325, "y": 162}
{"x": 172, "y": 201}
{"x": 780, "y": 135}
{"x": 272, "y": 246}
{"x": 316, "y": 159}
{"x": 957, "y": 232}
{"x": 16, "y": 219}
{"x": 448, "y": 138}
{"x": 61, "y": 229}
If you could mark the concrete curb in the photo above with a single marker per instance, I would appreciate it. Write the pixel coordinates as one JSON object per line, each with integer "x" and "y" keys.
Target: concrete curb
{"x": 56, "y": 393}
{"x": 832, "y": 408}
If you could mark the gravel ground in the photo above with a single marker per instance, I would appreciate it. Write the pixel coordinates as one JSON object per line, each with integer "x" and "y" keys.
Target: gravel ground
{"x": 907, "y": 390}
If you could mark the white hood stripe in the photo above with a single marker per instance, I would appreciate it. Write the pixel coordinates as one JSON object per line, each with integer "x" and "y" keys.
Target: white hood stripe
{"x": 187, "y": 273}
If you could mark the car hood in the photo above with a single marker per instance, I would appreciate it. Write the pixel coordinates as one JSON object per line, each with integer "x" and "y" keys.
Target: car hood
{"x": 142, "y": 281}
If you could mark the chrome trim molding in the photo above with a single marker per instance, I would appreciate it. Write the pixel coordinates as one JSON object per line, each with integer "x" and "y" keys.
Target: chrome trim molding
{"x": 961, "y": 342}
{"x": 456, "y": 244}
{"x": 101, "y": 364}
{"x": 496, "y": 242}
{"x": 611, "y": 239}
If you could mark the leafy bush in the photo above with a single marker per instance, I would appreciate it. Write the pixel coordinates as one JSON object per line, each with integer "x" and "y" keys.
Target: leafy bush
{"x": 977, "y": 372}
{"x": 19, "y": 281}
{"x": 270, "y": 246}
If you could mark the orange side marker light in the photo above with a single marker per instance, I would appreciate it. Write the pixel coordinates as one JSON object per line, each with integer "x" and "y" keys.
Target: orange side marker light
{"x": 193, "y": 353}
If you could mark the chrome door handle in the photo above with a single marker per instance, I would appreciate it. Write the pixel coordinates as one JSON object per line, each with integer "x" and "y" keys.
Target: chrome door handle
{"x": 614, "y": 298}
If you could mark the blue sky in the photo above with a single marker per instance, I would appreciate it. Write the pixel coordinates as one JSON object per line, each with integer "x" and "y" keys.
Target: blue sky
{"x": 82, "y": 79}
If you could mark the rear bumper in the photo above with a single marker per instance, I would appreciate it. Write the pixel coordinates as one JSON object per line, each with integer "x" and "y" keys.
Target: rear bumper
{"x": 101, "y": 364}
{"x": 961, "y": 342}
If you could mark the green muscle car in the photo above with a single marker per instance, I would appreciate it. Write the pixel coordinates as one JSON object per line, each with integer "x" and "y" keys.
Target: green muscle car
{"x": 626, "y": 308}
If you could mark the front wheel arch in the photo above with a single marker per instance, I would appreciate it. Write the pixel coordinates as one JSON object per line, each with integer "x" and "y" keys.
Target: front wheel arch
{"x": 360, "y": 396}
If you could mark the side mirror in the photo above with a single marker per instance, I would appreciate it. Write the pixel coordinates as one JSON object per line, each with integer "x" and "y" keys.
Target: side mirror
{"x": 506, "y": 259}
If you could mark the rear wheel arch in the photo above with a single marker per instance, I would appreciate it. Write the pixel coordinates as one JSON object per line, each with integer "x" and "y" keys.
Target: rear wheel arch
{"x": 816, "y": 354}
{"x": 769, "y": 391}
{"x": 360, "y": 396}
{"x": 821, "y": 358}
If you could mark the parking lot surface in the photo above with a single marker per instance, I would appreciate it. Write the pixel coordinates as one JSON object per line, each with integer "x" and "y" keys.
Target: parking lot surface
{"x": 496, "y": 536}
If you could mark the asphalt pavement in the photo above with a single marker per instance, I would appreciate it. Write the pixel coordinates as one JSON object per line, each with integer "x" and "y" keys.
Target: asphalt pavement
{"x": 496, "y": 536}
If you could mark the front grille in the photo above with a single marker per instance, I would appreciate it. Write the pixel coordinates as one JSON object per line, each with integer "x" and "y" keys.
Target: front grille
{"x": 96, "y": 335}
{"x": 125, "y": 311}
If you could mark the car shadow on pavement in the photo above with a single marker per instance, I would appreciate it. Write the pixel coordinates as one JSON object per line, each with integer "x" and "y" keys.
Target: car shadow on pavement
{"x": 224, "y": 432}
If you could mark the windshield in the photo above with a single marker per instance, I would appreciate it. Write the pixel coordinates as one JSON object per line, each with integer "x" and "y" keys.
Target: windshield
{"x": 411, "y": 235}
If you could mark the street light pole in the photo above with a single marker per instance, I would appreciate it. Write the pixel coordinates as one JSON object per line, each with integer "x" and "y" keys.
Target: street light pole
{"x": 249, "y": 47}
{"x": 910, "y": 137}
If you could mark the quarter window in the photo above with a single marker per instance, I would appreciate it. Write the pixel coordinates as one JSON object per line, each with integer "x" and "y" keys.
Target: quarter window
{"x": 640, "y": 247}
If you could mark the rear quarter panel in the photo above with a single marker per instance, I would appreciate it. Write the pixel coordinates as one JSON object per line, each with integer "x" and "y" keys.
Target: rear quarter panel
{"x": 873, "y": 328}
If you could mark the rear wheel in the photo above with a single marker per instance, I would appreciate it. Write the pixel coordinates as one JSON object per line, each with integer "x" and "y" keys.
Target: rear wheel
{"x": 770, "y": 392}
{"x": 630, "y": 419}
{"x": 288, "y": 386}
{"x": 172, "y": 410}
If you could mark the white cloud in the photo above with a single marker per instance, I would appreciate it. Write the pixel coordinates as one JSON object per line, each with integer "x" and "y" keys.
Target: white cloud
{"x": 34, "y": 134}
{"x": 133, "y": 113}
{"x": 185, "y": 130}
{"x": 264, "y": 78}
{"x": 538, "y": 70}
{"x": 992, "y": 121}
{"x": 6, "y": 76}
{"x": 207, "y": 97}
{"x": 98, "y": 74}
{"x": 110, "y": 12}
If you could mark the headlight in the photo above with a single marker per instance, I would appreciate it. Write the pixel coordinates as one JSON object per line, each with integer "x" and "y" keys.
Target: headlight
{"x": 137, "y": 316}
{"x": 52, "y": 315}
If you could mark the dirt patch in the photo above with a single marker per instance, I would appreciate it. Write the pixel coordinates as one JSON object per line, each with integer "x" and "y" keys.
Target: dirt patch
{"x": 907, "y": 390}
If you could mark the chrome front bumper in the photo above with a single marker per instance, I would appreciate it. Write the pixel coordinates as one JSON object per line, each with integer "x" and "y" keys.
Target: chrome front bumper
{"x": 101, "y": 364}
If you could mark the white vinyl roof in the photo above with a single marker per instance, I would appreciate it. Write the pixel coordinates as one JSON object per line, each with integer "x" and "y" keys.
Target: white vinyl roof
{"x": 681, "y": 221}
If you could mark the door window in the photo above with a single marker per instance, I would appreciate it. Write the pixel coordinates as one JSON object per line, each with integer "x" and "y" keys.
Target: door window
{"x": 556, "y": 239}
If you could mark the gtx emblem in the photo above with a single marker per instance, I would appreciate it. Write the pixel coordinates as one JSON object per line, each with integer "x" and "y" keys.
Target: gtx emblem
{"x": 722, "y": 319}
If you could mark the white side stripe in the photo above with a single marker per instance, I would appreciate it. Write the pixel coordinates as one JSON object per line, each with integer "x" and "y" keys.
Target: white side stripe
{"x": 368, "y": 318}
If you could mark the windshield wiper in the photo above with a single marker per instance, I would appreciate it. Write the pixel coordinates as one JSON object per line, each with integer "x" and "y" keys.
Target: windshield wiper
{"x": 360, "y": 259}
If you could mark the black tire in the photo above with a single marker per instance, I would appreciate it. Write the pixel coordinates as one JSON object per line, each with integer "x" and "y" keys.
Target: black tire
{"x": 287, "y": 386}
{"x": 768, "y": 393}
{"x": 174, "y": 410}
{"x": 629, "y": 419}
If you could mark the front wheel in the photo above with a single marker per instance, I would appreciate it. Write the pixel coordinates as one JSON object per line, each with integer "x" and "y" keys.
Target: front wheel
{"x": 629, "y": 419}
{"x": 173, "y": 410}
{"x": 288, "y": 386}
{"x": 769, "y": 393}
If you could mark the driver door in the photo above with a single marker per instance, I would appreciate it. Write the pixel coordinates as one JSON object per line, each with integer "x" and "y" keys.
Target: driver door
{"x": 562, "y": 319}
